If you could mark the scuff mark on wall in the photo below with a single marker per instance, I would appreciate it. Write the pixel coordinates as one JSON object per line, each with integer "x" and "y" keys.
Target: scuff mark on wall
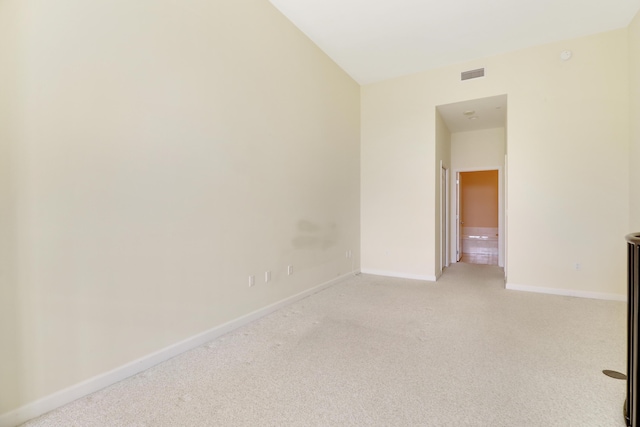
{"x": 310, "y": 235}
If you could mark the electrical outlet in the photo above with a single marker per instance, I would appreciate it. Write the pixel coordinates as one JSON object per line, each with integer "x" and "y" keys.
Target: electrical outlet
{"x": 578, "y": 266}
{"x": 290, "y": 270}
{"x": 348, "y": 254}
{"x": 267, "y": 276}
{"x": 252, "y": 280}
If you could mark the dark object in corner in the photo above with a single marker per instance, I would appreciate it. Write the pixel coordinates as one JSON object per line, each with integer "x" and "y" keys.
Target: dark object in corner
{"x": 615, "y": 374}
{"x": 631, "y": 407}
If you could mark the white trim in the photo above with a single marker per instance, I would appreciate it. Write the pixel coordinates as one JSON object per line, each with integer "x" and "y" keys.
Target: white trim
{"x": 567, "y": 292}
{"x": 398, "y": 275}
{"x": 68, "y": 395}
{"x": 444, "y": 219}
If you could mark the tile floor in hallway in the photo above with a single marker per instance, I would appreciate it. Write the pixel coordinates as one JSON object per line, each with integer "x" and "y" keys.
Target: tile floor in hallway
{"x": 484, "y": 259}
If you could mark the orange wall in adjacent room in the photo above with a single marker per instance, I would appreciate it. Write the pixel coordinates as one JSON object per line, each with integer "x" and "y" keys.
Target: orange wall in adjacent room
{"x": 479, "y": 197}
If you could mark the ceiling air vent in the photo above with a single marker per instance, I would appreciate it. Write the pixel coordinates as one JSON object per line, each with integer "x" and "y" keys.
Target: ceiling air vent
{"x": 472, "y": 74}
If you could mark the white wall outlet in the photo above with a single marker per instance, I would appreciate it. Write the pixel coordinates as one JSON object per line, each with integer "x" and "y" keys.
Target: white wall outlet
{"x": 252, "y": 280}
{"x": 578, "y": 266}
{"x": 267, "y": 276}
{"x": 289, "y": 270}
{"x": 348, "y": 254}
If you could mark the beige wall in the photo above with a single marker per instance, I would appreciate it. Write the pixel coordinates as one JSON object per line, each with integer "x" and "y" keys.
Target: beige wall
{"x": 397, "y": 228}
{"x": 568, "y": 176}
{"x": 164, "y": 153}
{"x": 634, "y": 74}
{"x": 11, "y": 357}
{"x": 476, "y": 150}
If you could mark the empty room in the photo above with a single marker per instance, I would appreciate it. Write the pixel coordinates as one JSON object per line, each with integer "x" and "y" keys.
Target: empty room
{"x": 245, "y": 213}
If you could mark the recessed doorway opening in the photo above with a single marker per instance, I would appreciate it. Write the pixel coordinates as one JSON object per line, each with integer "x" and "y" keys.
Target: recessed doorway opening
{"x": 471, "y": 136}
{"x": 478, "y": 204}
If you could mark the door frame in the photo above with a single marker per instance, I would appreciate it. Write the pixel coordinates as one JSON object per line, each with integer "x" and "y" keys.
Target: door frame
{"x": 445, "y": 234}
{"x": 458, "y": 233}
{"x": 502, "y": 242}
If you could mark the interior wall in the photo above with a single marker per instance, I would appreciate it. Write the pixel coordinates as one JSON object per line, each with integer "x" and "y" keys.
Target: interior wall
{"x": 477, "y": 150}
{"x": 634, "y": 74}
{"x": 11, "y": 357}
{"x": 479, "y": 194}
{"x": 397, "y": 182}
{"x": 165, "y": 151}
{"x": 568, "y": 162}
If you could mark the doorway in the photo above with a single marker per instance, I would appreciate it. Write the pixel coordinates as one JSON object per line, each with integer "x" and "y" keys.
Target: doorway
{"x": 478, "y": 203}
{"x": 471, "y": 136}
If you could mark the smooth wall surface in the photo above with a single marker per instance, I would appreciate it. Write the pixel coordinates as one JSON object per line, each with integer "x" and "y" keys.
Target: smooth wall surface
{"x": 11, "y": 357}
{"x": 478, "y": 150}
{"x": 568, "y": 177}
{"x": 634, "y": 75}
{"x": 162, "y": 152}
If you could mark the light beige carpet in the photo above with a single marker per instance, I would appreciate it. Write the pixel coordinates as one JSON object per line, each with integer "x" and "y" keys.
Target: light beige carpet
{"x": 376, "y": 351}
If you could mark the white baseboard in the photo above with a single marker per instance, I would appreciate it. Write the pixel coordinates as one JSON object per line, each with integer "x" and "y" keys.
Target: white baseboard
{"x": 567, "y": 292}
{"x": 398, "y": 275}
{"x": 68, "y": 395}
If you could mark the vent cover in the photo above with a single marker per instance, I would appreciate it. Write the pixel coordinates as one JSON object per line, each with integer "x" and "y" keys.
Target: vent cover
{"x": 472, "y": 74}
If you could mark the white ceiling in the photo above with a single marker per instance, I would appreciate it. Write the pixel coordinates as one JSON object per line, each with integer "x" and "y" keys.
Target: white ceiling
{"x": 476, "y": 114}
{"x": 374, "y": 40}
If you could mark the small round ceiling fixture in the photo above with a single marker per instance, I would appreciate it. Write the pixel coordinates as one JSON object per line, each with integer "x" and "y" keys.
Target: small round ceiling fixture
{"x": 566, "y": 55}
{"x": 469, "y": 112}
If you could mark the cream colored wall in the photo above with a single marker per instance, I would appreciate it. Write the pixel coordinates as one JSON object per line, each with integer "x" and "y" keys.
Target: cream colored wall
{"x": 568, "y": 175}
{"x": 397, "y": 228}
{"x": 634, "y": 74}
{"x": 477, "y": 150}
{"x": 480, "y": 150}
{"x": 166, "y": 152}
{"x": 11, "y": 357}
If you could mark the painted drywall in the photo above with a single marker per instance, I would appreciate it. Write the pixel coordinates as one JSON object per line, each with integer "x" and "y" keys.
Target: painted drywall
{"x": 11, "y": 357}
{"x": 568, "y": 175}
{"x": 479, "y": 198}
{"x": 634, "y": 86}
{"x": 165, "y": 152}
{"x": 477, "y": 150}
